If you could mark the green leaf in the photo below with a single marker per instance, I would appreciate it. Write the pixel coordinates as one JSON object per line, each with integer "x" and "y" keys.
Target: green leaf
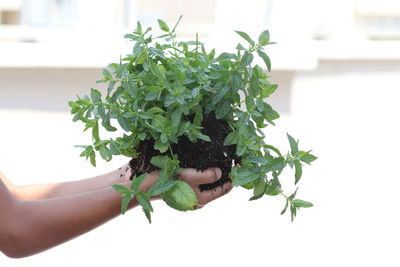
{"x": 114, "y": 149}
{"x": 306, "y": 157}
{"x": 285, "y": 208}
{"x": 274, "y": 188}
{"x": 105, "y": 153}
{"x": 259, "y": 187}
{"x": 269, "y": 113}
{"x": 107, "y": 75}
{"x": 144, "y": 201}
{"x": 163, "y": 25}
{"x": 95, "y": 132}
{"x": 248, "y": 186}
{"x": 125, "y": 203}
{"x": 155, "y": 110}
{"x": 123, "y": 190}
{"x": 298, "y": 171}
{"x": 241, "y": 145}
{"x": 164, "y": 138}
{"x": 255, "y": 197}
{"x": 74, "y": 107}
{"x": 230, "y": 139}
{"x": 222, "y": 109}
{"x": 293, "y": 211}
{"x": 275, "y": 164}
{"x": 159, "y": 161}
{"x": 268, "y": 90}
{"x": 95, "y": 95}
{"x": 176, "y": 117}
{"x": 246, "y": 37}
{"x": 93, "y": 158}
{"x": 131, "y": 36}
{"x": 160, "y": 122}
{"x": 265, "y": 58}
{"x": 263, "y": 39}
{"x": 254, "y": 159}
{"x": 236, "y": 81}
{"x": 220, "y": 94}
{"x": 123, "y": 123}
{"x": 240, "y": 47}
{"x": 146, "y": 65}
{"x": 151, "y": 95}
{"x": 246, "y": 59}
{"x": 292, "y": 196}
{"x": 78, "y": 116}
{"x": 101, "y": 112}
{"x": 301, "y": 203}
{"x": 254, "y": 88}
{"x": 226, "y": 56}
{"x": 139, "y": 28}
{"x": 181, "y": 197}
{"x": 110, "y": 87}
{"x": 161, "y": 187}
{"x": 198, "y": 118}
{"x": 108, "y": 126}
{"x": 243, "y": 175}
{"x": 87, "y": 151}
{"x": 203, "y": 137}
{"x": 116, "y": 94}
{"x": 293, "y": 145}
{"x": 148, "y": 215}
{"x": 162, "y": 147}
{"x": 137, "y": 182}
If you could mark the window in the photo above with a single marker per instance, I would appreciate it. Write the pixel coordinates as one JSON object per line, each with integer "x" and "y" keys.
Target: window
{"x": 378, "y": 19}
{"x": 10, "y": 12}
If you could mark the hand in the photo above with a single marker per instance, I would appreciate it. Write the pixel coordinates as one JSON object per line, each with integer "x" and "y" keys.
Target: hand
{"x": 195, "y": 178}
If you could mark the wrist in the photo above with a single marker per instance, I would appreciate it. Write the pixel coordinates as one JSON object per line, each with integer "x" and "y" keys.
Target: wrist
{"x": 120, "y": 175}
{"x": 150, "y": 180}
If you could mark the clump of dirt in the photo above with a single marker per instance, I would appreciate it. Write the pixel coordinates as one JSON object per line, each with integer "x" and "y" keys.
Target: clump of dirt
{"x": 200, "y": 155}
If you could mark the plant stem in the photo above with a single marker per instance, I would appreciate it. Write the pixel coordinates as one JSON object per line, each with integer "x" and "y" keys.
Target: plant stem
{"x": 170, "y": 150}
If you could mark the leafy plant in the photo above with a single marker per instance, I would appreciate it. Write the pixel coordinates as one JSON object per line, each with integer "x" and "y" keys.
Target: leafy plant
{"x": 161, "y": 90}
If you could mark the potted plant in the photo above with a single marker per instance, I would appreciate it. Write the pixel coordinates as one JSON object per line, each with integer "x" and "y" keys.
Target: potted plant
{"x": 178, "y": 105}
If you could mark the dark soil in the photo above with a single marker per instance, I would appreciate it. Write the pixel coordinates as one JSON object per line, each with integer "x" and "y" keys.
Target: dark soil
{"x": 200, "y": 155}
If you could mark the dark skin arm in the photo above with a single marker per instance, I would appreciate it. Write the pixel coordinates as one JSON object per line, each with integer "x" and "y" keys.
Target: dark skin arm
{"x": 28, "y": 227}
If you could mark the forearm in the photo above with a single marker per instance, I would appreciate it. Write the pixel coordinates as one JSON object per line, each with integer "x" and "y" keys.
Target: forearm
{"x": 45, "y": 191}
{"x": 42, "y": 224}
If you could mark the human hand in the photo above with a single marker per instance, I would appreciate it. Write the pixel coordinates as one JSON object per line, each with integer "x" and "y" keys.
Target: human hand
{"x": 195, "y": 178}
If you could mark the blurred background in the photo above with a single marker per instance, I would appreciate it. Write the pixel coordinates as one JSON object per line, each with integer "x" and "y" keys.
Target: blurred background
{"x": 337, "y": 64}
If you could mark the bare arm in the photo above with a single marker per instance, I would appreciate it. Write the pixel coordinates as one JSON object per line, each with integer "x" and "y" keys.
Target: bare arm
{"x": 28, "y": 227}
{"x": 31, "y": 226}
{"x": 44, "y": 191}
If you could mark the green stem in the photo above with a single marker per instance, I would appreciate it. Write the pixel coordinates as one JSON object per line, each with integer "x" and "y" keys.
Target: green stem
{"x": 170, "y": 150}
{"x": 230, "y": 124}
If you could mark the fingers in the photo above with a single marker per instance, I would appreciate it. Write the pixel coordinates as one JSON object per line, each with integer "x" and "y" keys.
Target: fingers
{"x": 194, "y": 177}
{"x": 207, "y": 196}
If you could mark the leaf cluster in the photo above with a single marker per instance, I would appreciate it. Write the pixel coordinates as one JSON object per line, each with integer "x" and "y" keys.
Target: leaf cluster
{"x": 162, "y": 89}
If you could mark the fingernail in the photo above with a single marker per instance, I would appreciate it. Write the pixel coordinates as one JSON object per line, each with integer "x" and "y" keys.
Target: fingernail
{"x": 218, "y": 172}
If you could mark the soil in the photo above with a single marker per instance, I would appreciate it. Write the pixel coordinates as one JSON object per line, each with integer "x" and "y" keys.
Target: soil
{"x": 200, "y": 155}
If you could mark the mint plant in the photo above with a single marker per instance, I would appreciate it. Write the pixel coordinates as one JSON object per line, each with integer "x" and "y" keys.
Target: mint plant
{"x": 162, "y": 92}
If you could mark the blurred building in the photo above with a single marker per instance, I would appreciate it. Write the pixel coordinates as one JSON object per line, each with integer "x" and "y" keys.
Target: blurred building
{"x": 41, "y": 35}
